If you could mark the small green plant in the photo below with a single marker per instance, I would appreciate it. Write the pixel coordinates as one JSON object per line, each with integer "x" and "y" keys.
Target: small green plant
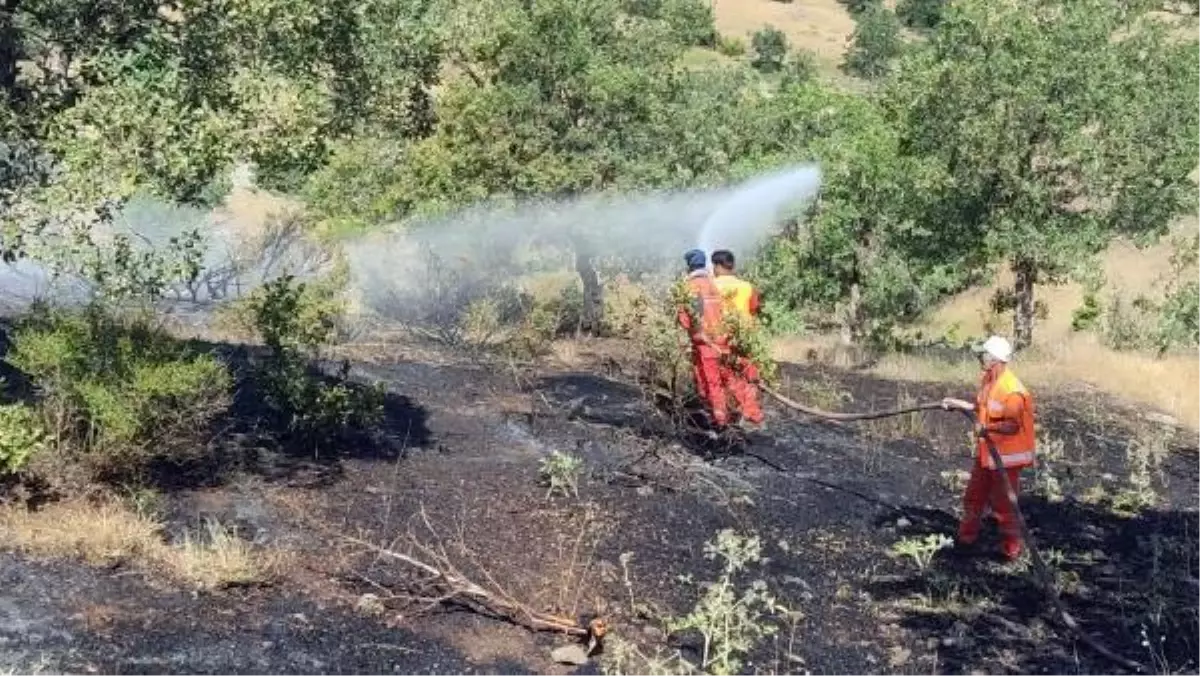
{"x": 21, "y": 436}
{"x": 296, "y": 322}
{"x": 560, "y": 473}
{"x": 731, "y": 622}
{"x": 1045, "y": 480}
{"x": 922, "y": 550}
{"x": 1091, "y": 310}
{"x": 1144, "y": 456}
{"x": 731, "y": 46}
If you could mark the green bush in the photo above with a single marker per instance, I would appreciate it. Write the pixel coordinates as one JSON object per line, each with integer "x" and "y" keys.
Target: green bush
{"x": 874, "y": 44}
{"x": 731, "y": 46}
{"x": 117, "y": 391}
{"x": 801, "y": 68}
{"x": 920, "y": 14}
{"x": 296, "y": 321}
{"x": 22, "y": 435}
{"x": 770, "y": 49}
{"x": 691, "y": 21}
{"x": 1088, "y": 314}
{"x": 1179, "y": 318}
{"x": 1127, "y": 325}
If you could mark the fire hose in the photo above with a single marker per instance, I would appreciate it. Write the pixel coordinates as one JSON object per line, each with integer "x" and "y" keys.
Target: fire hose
{"x": 1045, "y": 577}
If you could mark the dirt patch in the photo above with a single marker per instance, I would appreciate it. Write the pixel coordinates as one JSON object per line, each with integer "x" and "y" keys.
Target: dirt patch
{"x": 820, "y": 26}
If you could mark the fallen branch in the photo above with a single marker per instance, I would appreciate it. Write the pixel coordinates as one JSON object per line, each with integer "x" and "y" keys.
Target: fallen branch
{"x": 443, "y": 583}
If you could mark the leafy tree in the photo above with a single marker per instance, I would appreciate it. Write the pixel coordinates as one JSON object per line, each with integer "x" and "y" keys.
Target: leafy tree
{"x": 875, "y": 43}
{"x": 1061, "y": 124}
{"x": 770, "y": 49}
{"x": 861, "y": 252}
{"x": 558, "y": 98}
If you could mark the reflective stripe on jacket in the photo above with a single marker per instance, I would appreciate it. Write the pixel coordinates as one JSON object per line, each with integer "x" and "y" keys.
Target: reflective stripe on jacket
{"x": 1004, "y": 398}
{"x": 706, "y": 306}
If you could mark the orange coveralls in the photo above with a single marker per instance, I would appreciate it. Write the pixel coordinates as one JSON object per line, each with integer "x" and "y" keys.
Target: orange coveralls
{"x": 1004, "y": 407}
{"x": 715, "y": 380}
{"x": 741, "y": 297}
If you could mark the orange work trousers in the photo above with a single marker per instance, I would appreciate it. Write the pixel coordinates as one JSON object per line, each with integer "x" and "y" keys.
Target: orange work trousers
{"x": 741, "y": 379}
{"x": 716, "y": 379}
{"x": 985, "y": 489}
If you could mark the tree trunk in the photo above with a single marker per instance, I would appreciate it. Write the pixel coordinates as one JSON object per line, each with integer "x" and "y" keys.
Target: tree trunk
{"x": 592, "y": 312}
{"x": 1026, "y": 277}
{"x": 852, "y": 322}
{"x": 10, "y": 49}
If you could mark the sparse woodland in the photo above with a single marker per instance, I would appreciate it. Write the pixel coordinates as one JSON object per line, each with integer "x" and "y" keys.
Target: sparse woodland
{"x": 961, "y": 142}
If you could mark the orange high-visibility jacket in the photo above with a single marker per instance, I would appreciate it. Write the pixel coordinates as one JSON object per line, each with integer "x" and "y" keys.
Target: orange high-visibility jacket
{"x": 1004, "y": 398}
{"x": 740, "y": 296}
{"x": 706, "y": 306}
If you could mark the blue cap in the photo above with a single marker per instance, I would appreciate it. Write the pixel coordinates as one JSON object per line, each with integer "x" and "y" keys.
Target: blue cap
{"x": 695, "y": 259}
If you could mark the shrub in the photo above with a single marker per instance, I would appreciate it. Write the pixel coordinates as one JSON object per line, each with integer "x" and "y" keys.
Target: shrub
{"x": 751, "y": 342}
{"x": 1179, "y": 318}
{"x": 731, "y": 622}
{"x": 1128, "y": 325}
{"x": 874, "y": 44}
{"x": 1089, "y": 312}
{"x": 731, "y": 45}
{"x": 921, "y": 14}
{"x": 770, "y": 49}
{"x": 21, "y": 436}
{"x": 801, "y": 68}
{"x": 119, "y": 391}
{"x": 296, "y": 321}
{"x": 662, "y": 358}
{"x": 691, "y": 21}
{"x": 560, "y": 473}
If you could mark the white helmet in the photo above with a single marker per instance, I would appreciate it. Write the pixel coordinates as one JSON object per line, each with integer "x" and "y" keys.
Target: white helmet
{"x": 997, "y": 346}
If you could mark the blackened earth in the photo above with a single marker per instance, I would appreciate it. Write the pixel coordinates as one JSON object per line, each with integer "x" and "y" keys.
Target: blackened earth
{"x": 459, "y": 469}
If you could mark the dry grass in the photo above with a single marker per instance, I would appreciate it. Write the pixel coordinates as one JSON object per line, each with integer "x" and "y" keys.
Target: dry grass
{"x": 98, "y": 534}
{"x": 221, "y": 559}
{"x": 820, "y": 26}
{"x": 1059, "y": 358}
{"x": 1169, "y": 384}
{"x": 107, "y": 532}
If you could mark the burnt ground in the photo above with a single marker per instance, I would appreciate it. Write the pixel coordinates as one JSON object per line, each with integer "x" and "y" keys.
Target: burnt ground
{"x": 828, "y": 502}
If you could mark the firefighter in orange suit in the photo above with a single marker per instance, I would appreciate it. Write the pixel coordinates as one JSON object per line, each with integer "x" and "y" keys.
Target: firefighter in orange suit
{"x": 742, "y": 299}
{"x": 1004, "y": 411}
{"x": 702, "y": 319}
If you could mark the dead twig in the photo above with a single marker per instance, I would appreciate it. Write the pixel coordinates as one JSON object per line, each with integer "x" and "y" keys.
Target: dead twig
{"x": 443, "y": 583}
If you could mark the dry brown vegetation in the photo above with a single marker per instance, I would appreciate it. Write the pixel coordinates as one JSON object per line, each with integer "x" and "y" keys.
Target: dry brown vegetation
{"x": 108, "y": 533}
{"x": 1060, "y": 358}
{"x": 822, "y": 27}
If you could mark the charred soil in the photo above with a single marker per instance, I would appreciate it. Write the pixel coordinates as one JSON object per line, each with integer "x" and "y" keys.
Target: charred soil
{"x": 830, "y": 503}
